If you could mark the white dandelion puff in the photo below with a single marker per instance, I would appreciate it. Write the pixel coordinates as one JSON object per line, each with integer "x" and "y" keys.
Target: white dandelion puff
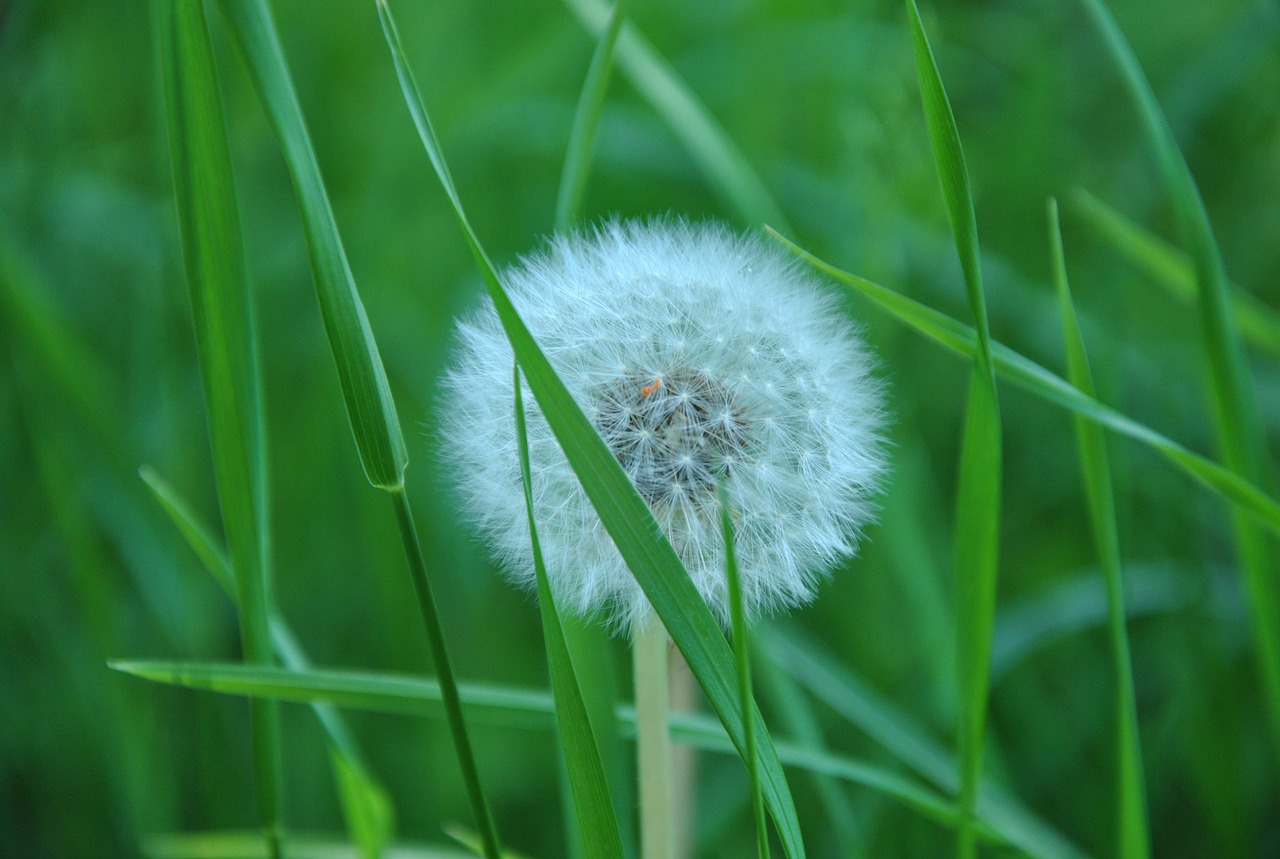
{"x": 700, "y": 356}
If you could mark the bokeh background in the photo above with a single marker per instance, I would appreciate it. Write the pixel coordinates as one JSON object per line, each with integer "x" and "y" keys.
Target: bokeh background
{"x": 98, "y": 377}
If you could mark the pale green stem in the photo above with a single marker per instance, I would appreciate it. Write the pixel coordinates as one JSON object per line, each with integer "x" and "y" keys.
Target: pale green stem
{"x": 653, "y": 740}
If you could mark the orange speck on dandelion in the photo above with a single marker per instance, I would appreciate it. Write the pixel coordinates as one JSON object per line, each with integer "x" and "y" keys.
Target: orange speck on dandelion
{"x": 649, "y": 389}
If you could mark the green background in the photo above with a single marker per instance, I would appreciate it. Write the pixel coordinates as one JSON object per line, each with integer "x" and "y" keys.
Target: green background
{"x": 98, "y": 376}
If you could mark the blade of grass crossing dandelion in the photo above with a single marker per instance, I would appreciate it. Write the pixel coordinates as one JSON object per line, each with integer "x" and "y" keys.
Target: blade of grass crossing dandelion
{"x": 362, "y": 377}
{"x": 977, "y": 537}
{"x": 715, "y": 153}
{"x": 742, "y": 660}
{"x": 588, "y": 644}
{"x": 1030, "y": 376}
{"x": 370, "y": 815}
{"x": 586, "y": 122}
{"x": 596, "y": 819}
{"x": 622, "y": 511}
{"x": 209, "y": 223}
{"x": 1172, "y": 269}
{"x": 1131, "y": 814}
{"x": 1241, "y": 435}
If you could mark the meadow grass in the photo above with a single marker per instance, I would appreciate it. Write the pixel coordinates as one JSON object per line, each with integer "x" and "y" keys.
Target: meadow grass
{"x": 883, "y": 727}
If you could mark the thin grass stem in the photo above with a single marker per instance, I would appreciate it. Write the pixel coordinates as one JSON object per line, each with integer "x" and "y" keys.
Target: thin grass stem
{"x": 653, "y": 741}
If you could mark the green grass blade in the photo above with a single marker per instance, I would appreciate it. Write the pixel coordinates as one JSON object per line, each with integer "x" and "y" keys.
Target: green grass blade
{"x": 596, "y": 819}
{"x": 1241, "y": 435}
{"x": 977, "y": 540}
{"x": 400, "y": 694}
{"x": 1030, "y": 376}
{"x": 742, "y": 659}
{"x": 1131, "y": 814}
{"x": 1171, "y": 268}
{"x": 623, "y": 512}
{"x": 209, "y": 223}
{"x": 840, "y": 689}
{"x": 240, "y": 845}
{"x": 586, "y": 641}
{"x": 370, "y": 815}
{"x": 361, "y": 375}
{"x": 715, "y": 153}
{"x": 586, "y": 121}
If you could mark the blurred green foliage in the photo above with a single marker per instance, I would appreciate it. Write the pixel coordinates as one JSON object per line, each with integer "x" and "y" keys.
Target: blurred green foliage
{"x": 98, "y": 377}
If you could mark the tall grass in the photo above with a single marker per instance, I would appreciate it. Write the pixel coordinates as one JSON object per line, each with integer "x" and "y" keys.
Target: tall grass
{"x": 1131, "y": 713}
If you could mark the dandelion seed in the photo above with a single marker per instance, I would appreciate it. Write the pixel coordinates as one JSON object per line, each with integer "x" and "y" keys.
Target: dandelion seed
{"x": 694, "y": 352}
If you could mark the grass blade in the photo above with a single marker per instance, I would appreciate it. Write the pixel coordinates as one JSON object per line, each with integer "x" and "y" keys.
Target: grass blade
{"x": 361, "y": 375}
{"x": 715, "y": 153}
{"x": 1171, "y": 268}
{"x": 1131, "y": 814}
{"x": 596, "y": 819}
{"x": 1241, "y": 435}
{"x": 742, "y": 659}
{"x": 586, "y": 121}
{"x": 226, "y": 346}
{"x": 400, "y": 694}
{"x": 977, "y": 539}
{"x": 1030, "y": 376}
{"x": 623, "y": 512}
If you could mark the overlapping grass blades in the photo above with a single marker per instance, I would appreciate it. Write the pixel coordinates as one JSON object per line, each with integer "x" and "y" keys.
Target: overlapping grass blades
{"x": 742, "y": 660}
{"x": 726, "y": 168}
{"x": 370, "y": 814}
{"x": 841, "y": 690}
{"x": 977, "y": 526}
{"x": 361, "y": 375}
{"x": 593, "y": 804}
{"x": 1171, "y": 268}
{"x": 226, "y": 346}
{"x": 1131, "y": 811}
{"x": 623, "y": 512}
{"x": 383, "y": 692}
{"x": 1030, "y": 376}
{"x": 1241, "y": 435}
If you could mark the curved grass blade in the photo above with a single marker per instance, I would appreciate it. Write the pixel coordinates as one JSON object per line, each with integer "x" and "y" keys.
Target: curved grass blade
{"x": 623, "y": 512}
{"x": 840, "y": 689}
{"x": 742, "y": 660}
{"x": 361, "y": 375}
{"x": 719, "y": 158}
{"x": 226, "y": 346}
{"x": 1241, "y": 435}
{"x": 400, "y": 694}
{"x": 596, "y": 819}
{"x": 1131, "y": 810}
{"x": 370, "y": 815}
{"x": 1030, "y": 376}
{"x": 586, "y": 121}
{"x": 1171, "y": 268}
{"x": 977, "y": 535}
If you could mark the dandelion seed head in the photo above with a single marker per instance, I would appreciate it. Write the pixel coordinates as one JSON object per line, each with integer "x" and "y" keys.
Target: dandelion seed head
{"x": 700, "y": 356}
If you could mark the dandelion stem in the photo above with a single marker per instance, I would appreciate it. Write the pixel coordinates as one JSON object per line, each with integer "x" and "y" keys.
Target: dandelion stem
{"x": 653, "y": 740}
